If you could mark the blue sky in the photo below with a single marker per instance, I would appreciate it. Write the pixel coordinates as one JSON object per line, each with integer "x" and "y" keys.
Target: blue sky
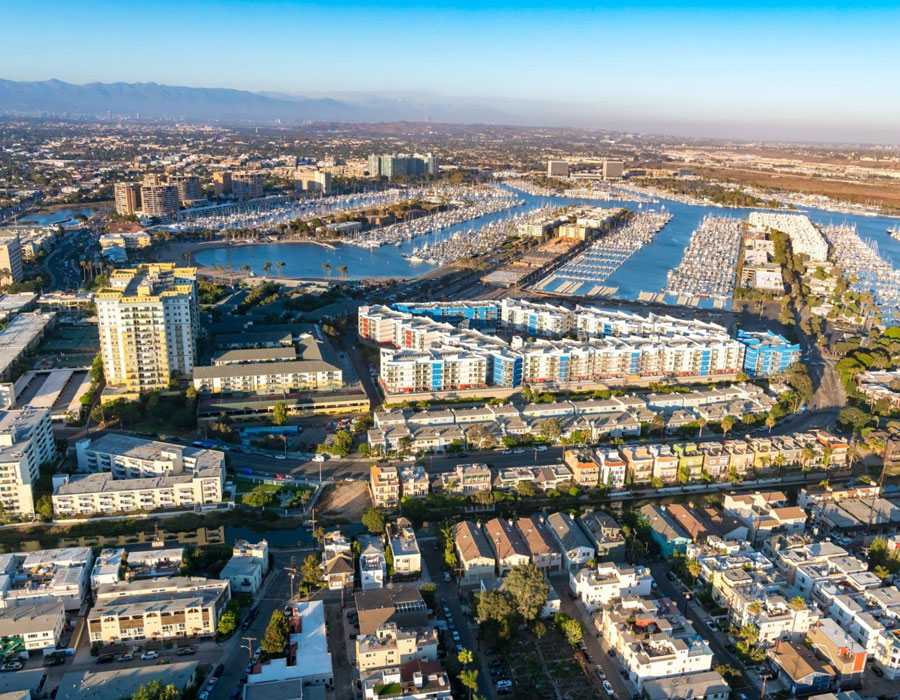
{"x": 750, "y": 69}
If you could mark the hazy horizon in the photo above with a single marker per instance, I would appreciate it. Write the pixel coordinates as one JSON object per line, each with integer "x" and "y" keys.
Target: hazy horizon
{"x": 762, "y": 71}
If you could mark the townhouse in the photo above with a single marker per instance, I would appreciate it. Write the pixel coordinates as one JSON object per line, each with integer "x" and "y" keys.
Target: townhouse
{"x": 608, "y": 582}
{"x": 575, "y": 546}
{"x": 605, "y": 534}
{"x": 476, "y": 558}
{"x": 544, "y": 550}
{"x": 372, "y": 562}
{"x": 404, "y": 547}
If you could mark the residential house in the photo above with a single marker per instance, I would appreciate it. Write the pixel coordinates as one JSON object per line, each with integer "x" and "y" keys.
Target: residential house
{"x": 838, "y": 647}
{"x": 542, "y": 545}
{"x": 476, "y": 558}
{"x": 509, "y": 547}
{"x": 372, "y": 562}
{"x": 404, "y": 548}
{"x": 664, "y": 531}
{"x": 413, "y": 481}
{"x": 467, "y": 479}
{"x": 585, "y": 471}
{"x": 605, "y": 534}
{"x": 576, "y": 547}
{"x": 705, "y": 685}
{"x": 799, "y": 669}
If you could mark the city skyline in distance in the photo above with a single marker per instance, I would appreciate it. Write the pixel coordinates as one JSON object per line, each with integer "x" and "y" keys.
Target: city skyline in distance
{"x": 763, "y": 71}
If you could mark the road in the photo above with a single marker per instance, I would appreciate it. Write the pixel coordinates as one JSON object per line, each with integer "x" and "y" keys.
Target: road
{"x": 596, "y": 646}
{"x": 698, "y": 616}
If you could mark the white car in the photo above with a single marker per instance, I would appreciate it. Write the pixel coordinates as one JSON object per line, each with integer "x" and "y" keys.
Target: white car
{"x": 541, "y": 448}
{"x": 607, "y": 686}
{"x": 280, "y": 456}
{"x": 319, "y": 458}
{"x": 150, "y": 655}
{"x": 504, "y": 684}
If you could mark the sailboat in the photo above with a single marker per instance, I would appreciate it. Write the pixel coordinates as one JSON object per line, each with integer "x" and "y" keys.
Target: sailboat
{"x": 894, "y": 232}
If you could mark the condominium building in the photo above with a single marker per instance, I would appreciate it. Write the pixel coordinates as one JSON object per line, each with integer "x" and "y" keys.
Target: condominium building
{"x": 397, "y": 165}
{"x": 805, "y": 237}
{"x": 222, "y": 183}
{"x": 11, "y": 270}
{"x": 45, "y": 575}
{"x": 414, "y": 481}
{"x": 246, "y": 184}
{"x": 384, "y": 483}
{"x": 467, "y": 479}
{"x": 767, "y": 353}
{"x": 314, "y": 181}
{"x": 557, "y": 168}
{"x": 39, "y": 626}
{"x": 129, "y": 473}
{"x": 128, "y": 198}
{"x": 585, "y": 471}
{"x": 404, "y": 547}
{"x": 390, "y": 646}
{"x": 159, "y": 200}
{"x": 273, "y": 370}
{"x": 148, "y": 321}
{"x": 26, "y": 442}
{"x": 609, "y": 582}
{"x": 187, "y": 186}
{"x": 157, "y": 610}
{"x": 247, "y": 567}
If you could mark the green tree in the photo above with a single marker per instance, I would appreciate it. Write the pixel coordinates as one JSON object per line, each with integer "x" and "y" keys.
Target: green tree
{"x": 228, "y": 621}
{"x": 97, "y": 369}
{"x": 279, "y": 413}
{"x": 342, "y": 443}
{"x": 155, "y": 690}
{"x": 259, "y": 497}
{"x": 44, "y": 507}
{"x": 550, "y": 429}
{"x": 692, "y": 566}
{"x": 374, "y": 520}
{"x": 571, "y": 628}
{"x": 465, "y": 657}
{"x": 277, "y": 634}
{"x": 526, "y": 489}
{"x": 495, "y": 605}
{"x": 528, "y": 588}
{"x": 311, "y": 570}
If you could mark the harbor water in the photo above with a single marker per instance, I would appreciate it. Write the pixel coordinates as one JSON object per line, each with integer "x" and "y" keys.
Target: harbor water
{"x": 645, "y": 271}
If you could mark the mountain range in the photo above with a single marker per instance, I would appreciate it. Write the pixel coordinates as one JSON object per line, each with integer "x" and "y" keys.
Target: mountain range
{"x": 155, "y": 101}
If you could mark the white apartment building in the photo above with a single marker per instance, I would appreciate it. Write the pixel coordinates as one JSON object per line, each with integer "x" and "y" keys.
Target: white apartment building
{"x": 650, "y": 646}
{"x": 391, "y": 646}
{"x": 805, "y": 237}
{"x": 30, "y": 578}
{"x": 372, "y": 562}
{"x": 612, "y": 468}
{"x": 247, "y": 567}
{"x": 404, "y": 547}
{"x": 26, "y": 442}
{"x": 148, "y": 322}
{"x": 608, "y": 582}
{"x": 107, "y": 567}
{"x": 39, "y": 626}
{"x": 129, "y": 473}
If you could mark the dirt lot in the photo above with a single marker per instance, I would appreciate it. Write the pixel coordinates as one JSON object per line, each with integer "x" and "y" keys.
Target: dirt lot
{"x": 543, "y": 667}
{"x": 887, "y": 194}
{"x": 344, "y": 502}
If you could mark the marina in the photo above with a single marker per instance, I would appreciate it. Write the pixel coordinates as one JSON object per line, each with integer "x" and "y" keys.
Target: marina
{"x": 867, "y": 270}
{"x": 707, "y": 269}
{"x": 587, "y": 272}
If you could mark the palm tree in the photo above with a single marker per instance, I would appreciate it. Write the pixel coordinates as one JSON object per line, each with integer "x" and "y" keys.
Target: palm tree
{"x": 469, "y": 678}
{"x": 343, "y": 270}
{"x": 755, "y": 607}
{"x": 278, "y": 267}
{"x": 266, "y": 267}
{"x": 806, "y": 456}
{"x": 701, "y": 423}
{"x": 770, "y": 422}
{"x": 726, "y": 424}
{"x": 465, "y": 656}
{"x": 658, "y": 423}
{"x": 692, "y": 566}
{"x": 327, "y": 268}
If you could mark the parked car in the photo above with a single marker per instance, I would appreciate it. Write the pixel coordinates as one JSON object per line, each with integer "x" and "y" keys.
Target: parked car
{"x": 278, "y": 476}
{"x": 607, "y": 686}
{"x": 713, "y": 627}
{"x": 875, "y": 669}
{"x": 186, "y": 651}
{"x": 504, "y": 684}
{"x": 104, "y": 659}
{"x": 220, "y": 669}
{"x": 149, "y": 655}
{"x": 11, "y": 666}
{"x": 128, "y": 656}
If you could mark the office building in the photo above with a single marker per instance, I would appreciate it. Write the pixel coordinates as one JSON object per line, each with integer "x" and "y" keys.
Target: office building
{"x": 157, "y": 609}
{"x": 11, "y": 270}
{"x": 557, "y": 168}
{"x": 767, "y": 353}
{"x": 160, "y": 201}
{"x": 148, "y": 323}
{"x": 26, "y": 442}
{"x": 128, "y": 198}
{"x": 188, "y": 188}
{"x": 613, "y": 169}
{"x": 246, "y": 184}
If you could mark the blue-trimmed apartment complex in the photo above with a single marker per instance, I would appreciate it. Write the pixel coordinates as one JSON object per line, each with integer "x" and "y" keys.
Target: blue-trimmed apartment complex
{"x": 767, "y": 353}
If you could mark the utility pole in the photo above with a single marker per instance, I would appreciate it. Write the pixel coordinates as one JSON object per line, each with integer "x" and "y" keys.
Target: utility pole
{"x": 249, "y": 646}
{"x": 292, "y": 571}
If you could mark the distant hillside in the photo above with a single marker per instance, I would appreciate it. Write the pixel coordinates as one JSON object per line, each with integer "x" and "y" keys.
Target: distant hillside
{"x": 151, "y": 100}
{"x": 154, "y": 101}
